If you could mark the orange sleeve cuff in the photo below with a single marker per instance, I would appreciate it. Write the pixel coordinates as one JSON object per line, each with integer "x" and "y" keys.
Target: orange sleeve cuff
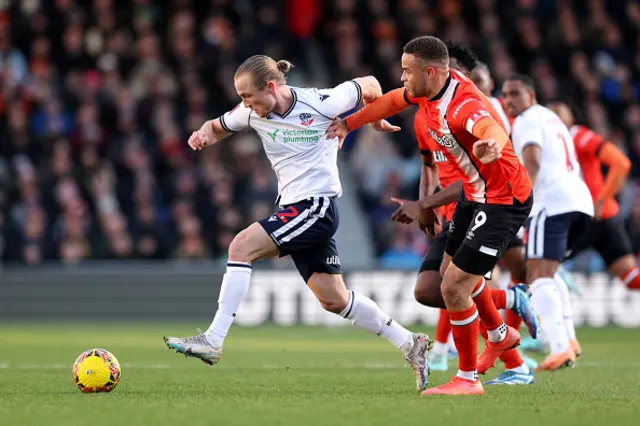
{"x": 619, "y": 166}
{"x": 385, "y": 106}
{"x": 488, "y": 128}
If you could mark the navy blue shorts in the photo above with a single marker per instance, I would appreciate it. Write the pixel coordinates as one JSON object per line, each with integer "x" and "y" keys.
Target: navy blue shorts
{"x": 304, "y": 230}
{"x": 554, "y": 237}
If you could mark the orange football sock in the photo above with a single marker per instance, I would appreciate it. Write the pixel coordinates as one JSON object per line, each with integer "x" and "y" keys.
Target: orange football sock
{"x": 443, "y": 328}
{"x": 511, "y": 359}
{"x": 486, "y": 308}
{"x": 499, "y": 298}
{"x": 464, "y": 325}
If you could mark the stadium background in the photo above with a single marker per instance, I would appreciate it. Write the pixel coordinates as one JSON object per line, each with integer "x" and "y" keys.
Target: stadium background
{"x": 113, "y": 234}
{"x": 99, "y": 97}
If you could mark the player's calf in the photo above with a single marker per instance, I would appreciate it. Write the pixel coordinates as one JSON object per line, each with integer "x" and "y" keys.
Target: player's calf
{"x": 364, "y": 313}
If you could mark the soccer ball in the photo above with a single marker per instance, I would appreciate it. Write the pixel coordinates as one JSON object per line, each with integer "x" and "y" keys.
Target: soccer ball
{"x": 96, "y": 370}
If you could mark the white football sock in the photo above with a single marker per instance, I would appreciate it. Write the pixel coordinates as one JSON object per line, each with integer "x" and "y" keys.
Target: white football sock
{"x": 469, "y": 375}
{"x": 546, "y": 301}
{"x": 522, "y": 369}
{"x": 511, "y": 298}
{"x": 440, "y": 348}
{"x": 452, "y": 343}
{"x": 364, "y": 313}
{"x": 567, "y": 310}
{"x": 235, "y": 286}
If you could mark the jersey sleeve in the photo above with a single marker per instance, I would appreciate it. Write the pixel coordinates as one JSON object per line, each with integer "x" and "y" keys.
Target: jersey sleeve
{"x": 236, "y": 119}
{"x": 526, "y": 132}
{"x": 588, "y": 144}
{"x": 467, "y": 112}
{"x": 340, "y": 99}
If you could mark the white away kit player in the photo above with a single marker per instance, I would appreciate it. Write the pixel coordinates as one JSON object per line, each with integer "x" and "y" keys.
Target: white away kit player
{"x": 291, "y": 122}
{"x": 561, "y": 212}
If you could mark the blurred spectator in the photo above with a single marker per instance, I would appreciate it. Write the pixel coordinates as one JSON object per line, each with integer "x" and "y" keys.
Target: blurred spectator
{"x": 98, "y": 97}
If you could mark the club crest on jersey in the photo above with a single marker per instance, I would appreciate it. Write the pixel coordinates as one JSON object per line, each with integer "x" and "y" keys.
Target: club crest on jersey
{"x": 305, "y": 119}
{"x": 444, "y": 140}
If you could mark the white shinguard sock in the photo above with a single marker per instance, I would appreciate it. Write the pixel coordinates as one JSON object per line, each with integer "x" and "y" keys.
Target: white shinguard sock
{"x": 364, "y": 313}
{"x": 567, "y": 310}
{"x": 548, "y": 305}
{"x": 235, "y": 286}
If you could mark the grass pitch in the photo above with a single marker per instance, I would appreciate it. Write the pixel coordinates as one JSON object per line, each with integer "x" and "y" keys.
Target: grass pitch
{"x": 294, "y": 376}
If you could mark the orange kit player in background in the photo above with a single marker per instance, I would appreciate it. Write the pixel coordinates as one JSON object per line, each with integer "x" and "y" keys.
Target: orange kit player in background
{"x": 606, "y": 234}
{"x": 494, "y": 204}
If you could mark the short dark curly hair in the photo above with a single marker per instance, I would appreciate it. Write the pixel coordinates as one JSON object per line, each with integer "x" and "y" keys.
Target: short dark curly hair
{"x": 463, "y": 55}
{"x": 428, "y": 48}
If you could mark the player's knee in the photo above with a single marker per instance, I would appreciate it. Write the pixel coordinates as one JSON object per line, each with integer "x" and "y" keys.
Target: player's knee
{"x": 334, "y": 303}
{"x": 454, "y": 286}
{"x": 240, "y": 247}
{"x": 541, "y": 268}
{"x": 427, "y": 291}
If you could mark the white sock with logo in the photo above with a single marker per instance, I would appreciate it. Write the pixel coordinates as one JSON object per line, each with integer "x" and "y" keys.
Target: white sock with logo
{"x": 546, "y": 301}
{"x": 364, "y": 313}
{"x": 567, "y": 310}
{"x": 235, "y": 286}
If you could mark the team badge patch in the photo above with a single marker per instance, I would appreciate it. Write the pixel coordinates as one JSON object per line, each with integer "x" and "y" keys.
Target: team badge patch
{"x": 305, "y": 119}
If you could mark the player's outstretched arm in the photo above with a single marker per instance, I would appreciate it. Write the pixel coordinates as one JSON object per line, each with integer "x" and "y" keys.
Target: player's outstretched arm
{"x": 210, "y": 133}
{"x": 445, "y": 196}
{"x": 387, "y": 105}
{"x": 373, "y": 112}
{"x": 370, "y": 86}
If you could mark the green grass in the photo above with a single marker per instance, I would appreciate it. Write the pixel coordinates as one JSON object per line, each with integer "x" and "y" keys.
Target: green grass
{"x": 294, "y": 376}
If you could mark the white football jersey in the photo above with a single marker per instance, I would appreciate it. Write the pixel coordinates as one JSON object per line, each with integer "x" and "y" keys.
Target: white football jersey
{"x": 503, "y": 114}
{"x": 304, "y": 160}
{"x": 559, "y": 187}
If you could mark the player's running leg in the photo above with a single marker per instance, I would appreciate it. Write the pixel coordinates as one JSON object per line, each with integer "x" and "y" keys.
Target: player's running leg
{"x": 547, "y": 303}
{"x": 457, "y": 287}
{"x": 364, "y": 313}
{"x": 567, "y": 315}
{"x": 251, "y": 244}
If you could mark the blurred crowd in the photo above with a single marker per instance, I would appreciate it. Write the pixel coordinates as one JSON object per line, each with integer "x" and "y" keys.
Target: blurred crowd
{"x": 98, "y": 97}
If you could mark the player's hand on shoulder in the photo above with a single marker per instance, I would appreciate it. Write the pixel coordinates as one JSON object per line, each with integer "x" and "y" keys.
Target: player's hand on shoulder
{"x": 338, "y": 129}
{"x": 384, "y": 126}
{"x": 487, "y": 151}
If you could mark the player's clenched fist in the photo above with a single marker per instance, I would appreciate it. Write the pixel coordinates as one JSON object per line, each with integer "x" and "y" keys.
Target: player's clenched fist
{"x": 487, "y": 151}
{"x": 202, "y": 137}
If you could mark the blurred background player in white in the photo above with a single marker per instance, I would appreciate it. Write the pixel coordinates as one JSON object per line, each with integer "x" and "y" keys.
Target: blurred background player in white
{"x": 481, "y": 76}
{"x": 561, "y": 213}
{"x": 291, "y": 123}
